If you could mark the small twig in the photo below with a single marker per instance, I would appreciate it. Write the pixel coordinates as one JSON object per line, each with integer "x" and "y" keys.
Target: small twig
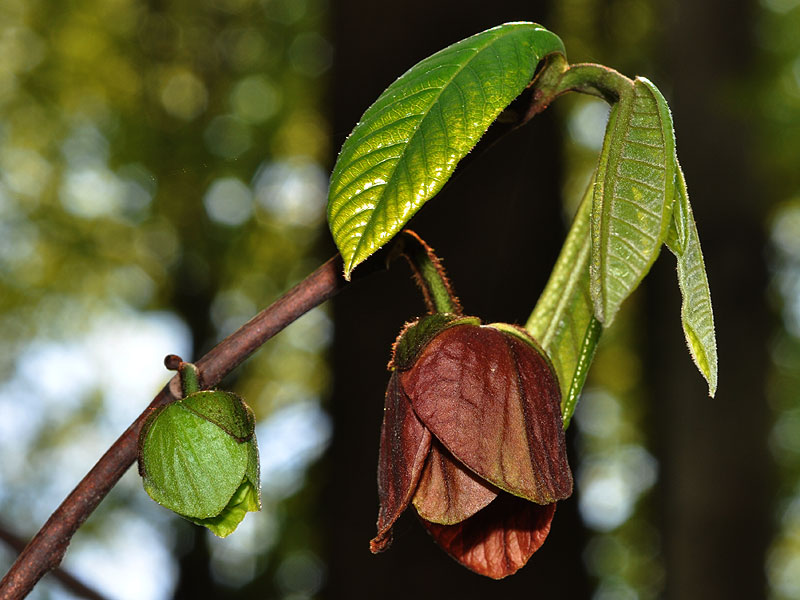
{"x": 46, "y": 550}
{"x": 70, "y": 582}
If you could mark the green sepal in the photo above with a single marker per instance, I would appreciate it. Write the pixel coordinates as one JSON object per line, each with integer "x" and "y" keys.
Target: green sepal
{"x": 246, "y": 499}
{"x": 416, "y": 335}
{"x": 253, "y": 470}
{"x": 225, "y": 410}
{"x": 522, "y": 334}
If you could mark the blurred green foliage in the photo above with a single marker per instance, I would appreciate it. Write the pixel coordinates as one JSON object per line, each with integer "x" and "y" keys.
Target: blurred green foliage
{"x": 162, "y": 174}
{"x": 777, "y": 138}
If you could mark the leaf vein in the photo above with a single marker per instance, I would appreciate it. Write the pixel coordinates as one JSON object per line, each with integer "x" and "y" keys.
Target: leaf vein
{"x": 632, "y": 226}
{"x": 638, "y": 143}
{"x": 640, "y": 182}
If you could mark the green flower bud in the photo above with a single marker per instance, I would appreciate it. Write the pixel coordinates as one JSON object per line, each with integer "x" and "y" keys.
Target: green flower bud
{"x": 199, "y": 457}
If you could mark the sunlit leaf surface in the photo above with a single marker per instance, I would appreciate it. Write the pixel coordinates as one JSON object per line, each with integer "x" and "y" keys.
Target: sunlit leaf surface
{"x": 633, "y": 196}
{"x": 696, "y": 313}
{"x": 563, "y": 321}
{"x": 410, "y": 140}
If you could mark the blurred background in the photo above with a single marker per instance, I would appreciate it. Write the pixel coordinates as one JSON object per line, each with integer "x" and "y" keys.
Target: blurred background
{"x": 163, "y": 174}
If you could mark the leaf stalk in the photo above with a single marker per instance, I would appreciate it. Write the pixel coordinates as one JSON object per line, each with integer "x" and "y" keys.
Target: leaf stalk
{"x": 558, "y": 77}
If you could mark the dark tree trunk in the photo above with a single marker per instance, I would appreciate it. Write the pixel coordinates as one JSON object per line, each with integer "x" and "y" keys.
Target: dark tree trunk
{"x": 498, "y": 262}
{"x": 715, "y": 479}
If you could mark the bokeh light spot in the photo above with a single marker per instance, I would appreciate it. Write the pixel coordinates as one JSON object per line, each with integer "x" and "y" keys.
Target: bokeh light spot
{"x": 183, "y": 95}
{"x": 255, "y": 99}
{"x": 228, "y": 201}
{"x": 292, "y": 191}
{"x": 227, "y": 136}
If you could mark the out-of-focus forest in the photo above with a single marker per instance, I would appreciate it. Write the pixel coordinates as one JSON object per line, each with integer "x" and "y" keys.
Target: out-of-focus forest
{"x": 163, "y": 174}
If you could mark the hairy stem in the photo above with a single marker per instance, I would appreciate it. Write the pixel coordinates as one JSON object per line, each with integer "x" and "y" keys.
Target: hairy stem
{"x": 428, "y": 273}
{"x": 190, "y": 378}
{"x": 557, "y": 78}
{"x": 46, "y": 550}
{"x": 595, "y": 80}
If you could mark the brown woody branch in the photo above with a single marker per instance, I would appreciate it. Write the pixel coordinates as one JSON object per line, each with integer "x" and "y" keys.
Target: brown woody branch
{"x": 66, "y": 579}
{"x": 46, "y": 550}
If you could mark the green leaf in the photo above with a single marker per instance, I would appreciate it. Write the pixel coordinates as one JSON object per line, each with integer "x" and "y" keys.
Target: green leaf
{"x": 408, "y": 143}
{"x": 634, "y": 192}
{"x": 696, "y": 313}
{"x": 563, "y": 321}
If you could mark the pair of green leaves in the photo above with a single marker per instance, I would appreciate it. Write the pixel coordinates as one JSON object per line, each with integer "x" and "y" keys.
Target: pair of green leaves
{"x": 635, "y": 203}
{"x": 199, "y": 457}
{"x": 410, "y": 140}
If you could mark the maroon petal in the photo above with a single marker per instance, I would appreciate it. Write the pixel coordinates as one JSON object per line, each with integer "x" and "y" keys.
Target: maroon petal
{"x": 494, "y": 402}
{"x": 405, "y": 444}
{"x": 447, "y": 492}
{"x": 498, "y": 540}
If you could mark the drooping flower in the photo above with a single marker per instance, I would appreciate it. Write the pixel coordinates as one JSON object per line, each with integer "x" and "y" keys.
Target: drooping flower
{"x": 472, "y": 436}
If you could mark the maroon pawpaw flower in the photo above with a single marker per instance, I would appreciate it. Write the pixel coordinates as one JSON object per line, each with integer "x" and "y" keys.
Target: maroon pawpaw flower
{"x": 472, "y": 436}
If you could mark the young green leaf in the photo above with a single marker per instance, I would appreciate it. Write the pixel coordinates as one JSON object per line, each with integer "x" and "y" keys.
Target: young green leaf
{"x": 408, "y": 143}
{"x": 696, "y": 312}
{"x": 563, "y": 321}
{"x": 634, "y": 191}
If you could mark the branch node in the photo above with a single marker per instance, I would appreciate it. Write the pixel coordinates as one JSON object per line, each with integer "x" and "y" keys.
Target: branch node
{"x": 172, "y": 362}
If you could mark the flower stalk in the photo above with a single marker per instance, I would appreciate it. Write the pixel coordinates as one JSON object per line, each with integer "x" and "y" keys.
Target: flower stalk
{"x": 428, "y": 273}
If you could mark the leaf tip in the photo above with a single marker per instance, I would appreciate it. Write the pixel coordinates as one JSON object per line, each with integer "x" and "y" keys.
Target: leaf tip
{"x": 704, "y": 356}
{"x": 712, "y": 383}
{"x": 349, "y": 266}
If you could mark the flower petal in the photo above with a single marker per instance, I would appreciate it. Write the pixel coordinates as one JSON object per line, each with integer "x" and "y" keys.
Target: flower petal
{"x": 494, "y": 402}
{"x": 405, "y": 443}
{"x": 498, "y": 540}
{"x": 447, "y": 492}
